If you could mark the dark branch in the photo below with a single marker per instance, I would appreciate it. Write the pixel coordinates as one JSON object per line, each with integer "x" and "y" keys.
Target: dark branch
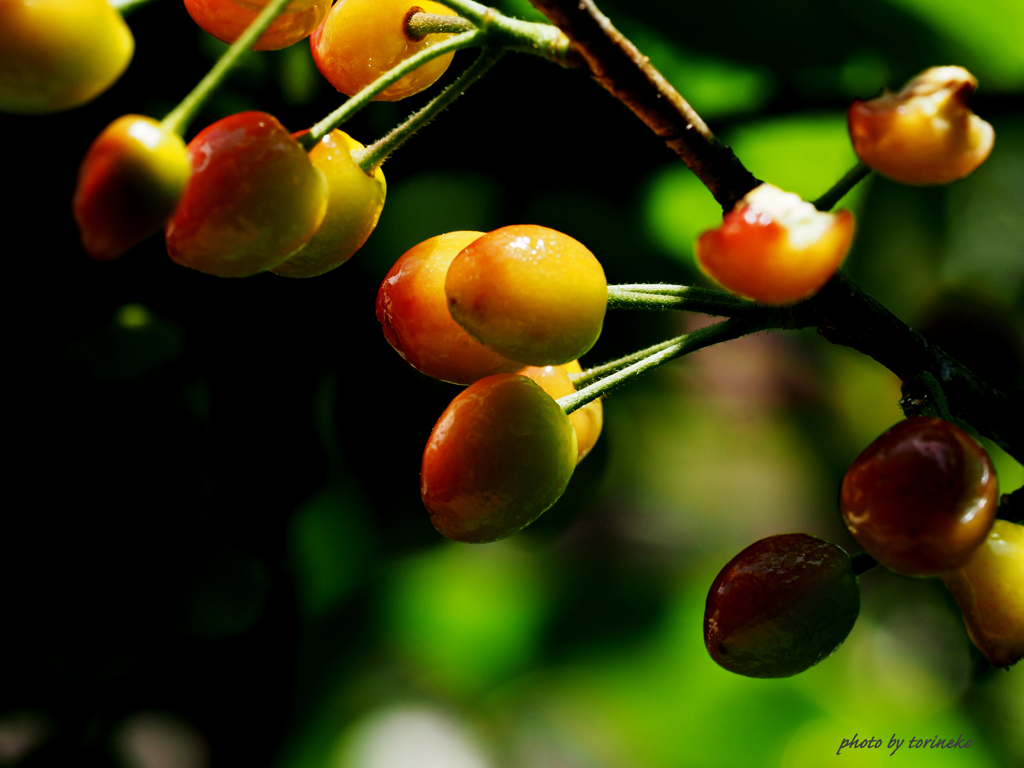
{"x": 628, "y": 75}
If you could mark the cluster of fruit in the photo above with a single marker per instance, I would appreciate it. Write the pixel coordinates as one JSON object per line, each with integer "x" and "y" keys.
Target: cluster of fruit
{"x": 921, "y": 500}
{"x": 244, "y": 196}
{"x": 509, "y": 313}
{"x": 777, "y": 249}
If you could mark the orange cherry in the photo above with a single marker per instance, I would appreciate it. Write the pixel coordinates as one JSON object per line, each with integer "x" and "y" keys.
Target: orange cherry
{"x": 588, "y": 420}
{"x": 227, "y": 20}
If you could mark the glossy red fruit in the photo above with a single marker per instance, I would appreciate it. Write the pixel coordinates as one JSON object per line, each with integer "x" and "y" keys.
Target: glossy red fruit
{"x": 921, "y": 498}
{"x": 989, "y": 589}
{"x": 59, "y": 54}
{"x": 529, "y": 293}
{"x": 780, "y": 606}
{"x": 588, "y": 420}
{"x": 353, "y": 208}
{"x": 926, "y": 133}
{"x": 227, "y": 20}
{"x": 362, "y": 39}
{"x": 775, "y": 248}
{"x": 499, "y": 456}
{"x": 413, "y": 313}
{"x": 129, "y": 184}
{"x": 252, "y": 200}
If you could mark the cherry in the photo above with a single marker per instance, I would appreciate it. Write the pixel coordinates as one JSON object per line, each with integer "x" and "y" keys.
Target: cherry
{"x": 989, "y": 588}
{"x": 59, "y": 54}
{"x": 780, "y": 606}
{"x": 360, "y": 40}
{"x": 925, "y": 134}
{"x": 353, "y": 208}
{"x": 227, "y": 20}
{"x": 253, "y": 198}
{"x": 921, "y": 498}
{"x": 529, "y": 293}
{"x": 500, "y": 455}
{"x": 413, "y": 312}
{"x": 775, "y": 248}
{"x": 588, "y": 420}
{"x": 129, "y": 183}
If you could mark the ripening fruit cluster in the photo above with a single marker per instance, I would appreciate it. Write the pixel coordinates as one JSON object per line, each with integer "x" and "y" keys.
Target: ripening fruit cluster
{"x": 921, "y": 500}
{"x": 777, "y": 249}
{"x": 508, "y": 313}
{"x": 244, "y": 197}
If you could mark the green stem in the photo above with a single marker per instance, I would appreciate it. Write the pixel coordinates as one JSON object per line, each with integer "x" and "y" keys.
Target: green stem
{"x": 182, "y": 115}
{"x": 466, "y": 40}
{"x": 937, "y": 396}
{"x": 376, "y": 153}
{"x": 682, "y": 297}
{"x": 851, "y": 179}
{"x": 420, "y": 24}
{"x": 544, "y": 40}
{"x": 124, "y": 7}
{"x": 690, "y": 342}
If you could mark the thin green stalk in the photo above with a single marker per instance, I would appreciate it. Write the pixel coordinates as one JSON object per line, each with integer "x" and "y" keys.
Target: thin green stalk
{"x": 681, "y": 297}
{"x": 936, "y": 395}
{"x": 375, "y": 154}
{"x": 182, "y": 115}
{"x": 420, "y": 24}
{"x": 690, "y": 342}
{"x": 466, "y": 40}
{"x": 590, "y": 375}
{"x": 852, "y": 178}
{"x": 539, "y": 39}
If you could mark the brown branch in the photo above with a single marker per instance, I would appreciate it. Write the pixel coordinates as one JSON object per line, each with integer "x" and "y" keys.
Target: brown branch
{"x": 628, "y": 75}
{"x": 844, "y": 314}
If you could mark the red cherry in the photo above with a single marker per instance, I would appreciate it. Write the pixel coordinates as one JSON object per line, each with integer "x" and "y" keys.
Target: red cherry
{"x": 227, "y": 20}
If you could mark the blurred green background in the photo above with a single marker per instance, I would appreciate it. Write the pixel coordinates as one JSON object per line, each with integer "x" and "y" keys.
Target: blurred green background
{"x": 214, "y": 552}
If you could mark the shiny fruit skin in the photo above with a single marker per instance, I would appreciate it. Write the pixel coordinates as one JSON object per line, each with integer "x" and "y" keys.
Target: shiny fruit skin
{"x": 227, "y": 20}
{"x": 59, "y": 54}
{"x": 774, "y": 248}
{"x": 353, "y": 209}
{"x": 989, "y": 589}
{"x": 529, "y": 293}
{"x": 921, "y": 498}
{"x": 780, "y": 606}
{"x": 129, "y": 184}
{"x": 252, "y": 200}
{"x": 362, "y": 39}
{"x": 588, "y": 420}
{"x": 925, "y": 134}
{"x": 500, "y": 455}
{"x": 413, "y": 312}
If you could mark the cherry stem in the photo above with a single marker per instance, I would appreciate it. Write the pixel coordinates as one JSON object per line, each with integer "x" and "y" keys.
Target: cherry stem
{"x": 182, "y": 115}
{"x": 375, "y": 154}
{"x": 850, "y": 179}
{"x": 419, "y": 24}
{"x": 545, "y": 40}
{"x": 681, "y": 297}
{"x": 124, "y": 7}
{"x": 389, "y": 78}
{"x": 937, "y": 396}
{"x": 726, "y": 330}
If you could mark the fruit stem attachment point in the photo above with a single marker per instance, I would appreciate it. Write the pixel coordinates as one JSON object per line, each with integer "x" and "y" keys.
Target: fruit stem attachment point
{"x": 850, "y": 179}
{"x": 375, "y": 154}
{"x": 733, "y": 328}
{"x": 419, "y": 24}
{"x": 179, "y": 117}
{"x": 681, "y": 297}
{"x": 349, "y": 108}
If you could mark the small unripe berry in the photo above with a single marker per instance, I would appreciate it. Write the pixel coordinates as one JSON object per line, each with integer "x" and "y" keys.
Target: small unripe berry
{"x": 500, "y": 455}
{"x": 129, "y": 184}
{"x": 925, "y": 134}
{"x": 780, "y": 606}
{"x": 353, "y": 209}
{"x": 588, "y": 420}
{"x": 775, "y": 248}
{"x": 413, "y": 313}
{"x": 989, "y": 588}
{"x": 921, "y": 498}
{"x": 59, "y": 54}
{"x": 529, "y": 293}
{"x": 252, "y": 200}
